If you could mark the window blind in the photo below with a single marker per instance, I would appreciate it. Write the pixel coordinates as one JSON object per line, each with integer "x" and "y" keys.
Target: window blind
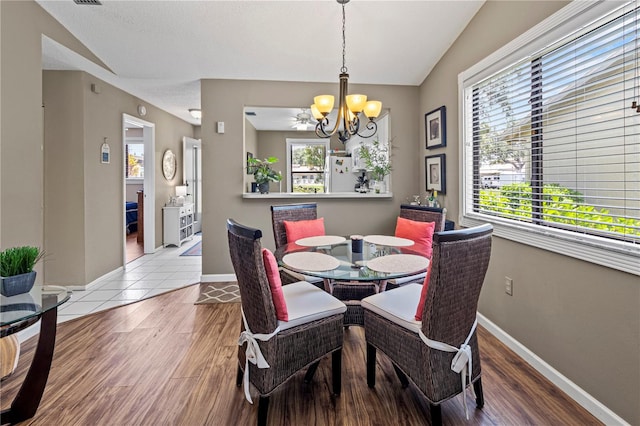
{"x": 554, "y": 141}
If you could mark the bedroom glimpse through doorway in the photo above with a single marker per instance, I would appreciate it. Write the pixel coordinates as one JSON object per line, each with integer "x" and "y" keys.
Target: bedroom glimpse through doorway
{"x": 138, "y": 139}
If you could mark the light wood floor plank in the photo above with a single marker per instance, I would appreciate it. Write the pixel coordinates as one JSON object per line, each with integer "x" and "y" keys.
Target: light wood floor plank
{"x": 166, "y": 361}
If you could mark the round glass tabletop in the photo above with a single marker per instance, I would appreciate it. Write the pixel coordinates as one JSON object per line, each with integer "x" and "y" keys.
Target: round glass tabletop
{"x": 19, "y": 311}
{"x": 353, "y": 266}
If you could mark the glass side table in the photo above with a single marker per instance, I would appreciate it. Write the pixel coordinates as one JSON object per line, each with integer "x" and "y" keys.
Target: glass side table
{"x": 17, "y": 313}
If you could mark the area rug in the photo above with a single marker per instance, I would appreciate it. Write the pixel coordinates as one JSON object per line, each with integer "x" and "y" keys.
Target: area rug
{"x": 194, "y": 250}
{"x": 226, "y": 292}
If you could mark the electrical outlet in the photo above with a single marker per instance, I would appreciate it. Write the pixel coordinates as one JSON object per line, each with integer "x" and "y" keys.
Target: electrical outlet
{"x": 508, "y": 286}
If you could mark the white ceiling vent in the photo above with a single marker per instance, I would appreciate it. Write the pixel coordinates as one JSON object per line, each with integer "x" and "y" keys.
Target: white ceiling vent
{"x": 88, "y": 2}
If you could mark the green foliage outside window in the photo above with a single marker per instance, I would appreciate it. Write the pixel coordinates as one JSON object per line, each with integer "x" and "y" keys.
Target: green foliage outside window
{"x": 559, "y": 205}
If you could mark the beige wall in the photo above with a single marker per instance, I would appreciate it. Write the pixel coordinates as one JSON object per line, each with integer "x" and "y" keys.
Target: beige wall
{"x": 64, "y": 182}
{"x": 22, "y": 168}
{"x": 89, "y": 217}
{"x": 581, "y": 318}
{"x": 223, "y": 163}
{"x": 21, "y": 194}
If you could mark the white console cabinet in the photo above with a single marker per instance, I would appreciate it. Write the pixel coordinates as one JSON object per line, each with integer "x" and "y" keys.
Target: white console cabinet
{"x": 178, "y": 224}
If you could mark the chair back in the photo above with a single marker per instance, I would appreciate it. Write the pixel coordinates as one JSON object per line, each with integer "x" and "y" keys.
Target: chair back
{"x": 424, "y": 214}
{"x": 292, "y": 213}
{"x": 459, "y": 264}
{"x": 255, "y": 294}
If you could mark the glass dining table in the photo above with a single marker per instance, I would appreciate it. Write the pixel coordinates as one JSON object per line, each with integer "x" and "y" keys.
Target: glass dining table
{"x": 17, "y": 313}
{"x": 352, "y": 275}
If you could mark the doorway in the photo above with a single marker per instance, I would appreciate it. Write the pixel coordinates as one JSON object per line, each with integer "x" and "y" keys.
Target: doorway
{"x": 192, "y": 167}
{"x": 138, "y": 139}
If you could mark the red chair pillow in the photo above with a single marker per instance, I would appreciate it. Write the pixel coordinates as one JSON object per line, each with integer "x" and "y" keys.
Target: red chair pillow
{"x": 275, "y": 284}
{"x": 423, "y": 294}
{"x": 303, "y": 229}
{"x": 419, "y": 232}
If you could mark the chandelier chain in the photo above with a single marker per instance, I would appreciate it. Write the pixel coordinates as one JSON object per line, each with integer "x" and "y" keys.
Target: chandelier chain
{"x": 344, "y": 43}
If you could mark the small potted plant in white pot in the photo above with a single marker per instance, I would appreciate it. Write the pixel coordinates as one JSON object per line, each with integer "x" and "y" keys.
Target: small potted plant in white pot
{"x": 377, "y": 160}
{"x": 263, "y": 174}
{"x": 16, "y": 269}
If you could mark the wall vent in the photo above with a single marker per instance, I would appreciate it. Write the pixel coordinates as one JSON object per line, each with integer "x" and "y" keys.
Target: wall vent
{"x": 88, "y": 2}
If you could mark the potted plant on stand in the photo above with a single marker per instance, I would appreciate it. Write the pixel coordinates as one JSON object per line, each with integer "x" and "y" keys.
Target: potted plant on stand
{"x": 263, "y": 174}
{"x": 16, "y": 269}
{"x": 377, "y": 160}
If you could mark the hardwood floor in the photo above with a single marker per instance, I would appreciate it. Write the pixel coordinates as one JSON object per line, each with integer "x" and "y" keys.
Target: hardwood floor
{"x": 135, "y": 249}
{"x": 166, "y": 361}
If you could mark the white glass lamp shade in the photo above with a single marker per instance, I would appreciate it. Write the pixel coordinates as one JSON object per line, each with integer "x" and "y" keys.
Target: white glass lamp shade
{"x": 181, "y": 191}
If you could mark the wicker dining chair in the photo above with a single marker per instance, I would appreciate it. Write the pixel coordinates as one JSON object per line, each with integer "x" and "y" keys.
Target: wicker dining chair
{"x": 425, "y": 214}
{"x": 292, "y": 213}
{"x": 458, "y": 267}
{"x": 314, "y": 328}
{"x": 419, "y": 214}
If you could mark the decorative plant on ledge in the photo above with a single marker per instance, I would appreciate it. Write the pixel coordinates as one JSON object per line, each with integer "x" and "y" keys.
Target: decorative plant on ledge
{"x": 377, "y": 159}
{"x": 263, "y": 173}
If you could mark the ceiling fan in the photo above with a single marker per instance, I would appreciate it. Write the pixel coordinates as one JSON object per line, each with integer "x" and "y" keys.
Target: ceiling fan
{"x": 304, "y": 121}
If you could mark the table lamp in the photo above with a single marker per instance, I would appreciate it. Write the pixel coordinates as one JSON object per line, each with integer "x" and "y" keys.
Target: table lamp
{"x": 181, "y": 192}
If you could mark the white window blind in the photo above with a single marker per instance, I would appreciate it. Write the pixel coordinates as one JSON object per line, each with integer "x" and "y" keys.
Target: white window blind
{"x": 552, "y": 141}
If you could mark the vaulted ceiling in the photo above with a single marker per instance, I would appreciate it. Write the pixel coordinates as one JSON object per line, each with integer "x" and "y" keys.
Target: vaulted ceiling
{"x": 159, "y": 50}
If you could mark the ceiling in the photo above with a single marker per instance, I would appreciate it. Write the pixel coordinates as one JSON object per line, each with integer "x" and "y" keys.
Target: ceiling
{"x": 159, "y": 50}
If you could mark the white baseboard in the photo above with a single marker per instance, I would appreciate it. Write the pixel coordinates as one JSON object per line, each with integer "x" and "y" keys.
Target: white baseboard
{"x": 217, "y": 278}
{"x": 96, "y": 281}
{"x": 588, "y": 402}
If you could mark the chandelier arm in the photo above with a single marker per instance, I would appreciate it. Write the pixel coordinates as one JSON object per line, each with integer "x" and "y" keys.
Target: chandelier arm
{"x": 320, "y": 128}
{"x": 372, "y": 126}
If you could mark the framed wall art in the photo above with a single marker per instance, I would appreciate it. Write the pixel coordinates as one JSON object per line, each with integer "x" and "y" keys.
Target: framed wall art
{"x": 435, "y": 170}
{"x": 435, "y": 127}
{"x": 105, "y": 153}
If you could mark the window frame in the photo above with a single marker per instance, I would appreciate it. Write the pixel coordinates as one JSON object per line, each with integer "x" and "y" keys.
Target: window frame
{"x": 133, "y": 140}
{"x": 573, "y": 19}
{"x": 294, "y": 141}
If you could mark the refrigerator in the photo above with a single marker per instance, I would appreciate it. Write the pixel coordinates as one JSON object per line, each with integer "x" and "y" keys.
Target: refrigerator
{"x": 339, "y": 175}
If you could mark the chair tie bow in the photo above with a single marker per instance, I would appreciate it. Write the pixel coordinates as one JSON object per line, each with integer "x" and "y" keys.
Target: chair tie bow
{"x": 462, "y": 360}
{"x": 253, "y": 353}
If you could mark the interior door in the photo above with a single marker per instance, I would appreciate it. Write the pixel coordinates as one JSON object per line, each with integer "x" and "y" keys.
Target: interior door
{"x": 192, "y": 159}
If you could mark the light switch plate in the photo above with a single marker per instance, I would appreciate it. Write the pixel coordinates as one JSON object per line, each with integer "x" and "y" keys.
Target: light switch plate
{"x": 220, "y": 126}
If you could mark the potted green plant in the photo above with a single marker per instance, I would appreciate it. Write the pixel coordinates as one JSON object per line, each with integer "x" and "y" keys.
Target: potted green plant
{"x": 377, "y": 160}
{"x": 16, "y": 269}
{"x": 263, "y": 173}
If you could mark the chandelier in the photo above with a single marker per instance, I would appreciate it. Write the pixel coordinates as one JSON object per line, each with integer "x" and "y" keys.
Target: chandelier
{"x": 348, "y": 120}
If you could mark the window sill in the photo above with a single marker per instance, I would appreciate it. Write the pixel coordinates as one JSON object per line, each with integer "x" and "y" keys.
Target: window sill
{"x": 612, "y": 254}
{"x": 296, "y": 195}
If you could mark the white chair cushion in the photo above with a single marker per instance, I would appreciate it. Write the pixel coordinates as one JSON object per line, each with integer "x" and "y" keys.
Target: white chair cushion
{"x": 397, "y": 305}
{"x": 307, "y": 303}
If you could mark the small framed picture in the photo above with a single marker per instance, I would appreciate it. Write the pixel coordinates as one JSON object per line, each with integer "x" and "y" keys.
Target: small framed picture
{"x": 435, "y": 169}
{"x": 435, "y": 126}
{"x": 105, "y": 153}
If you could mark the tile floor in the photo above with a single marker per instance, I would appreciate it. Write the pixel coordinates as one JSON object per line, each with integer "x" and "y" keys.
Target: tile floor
{"x": 144, "y": 277}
